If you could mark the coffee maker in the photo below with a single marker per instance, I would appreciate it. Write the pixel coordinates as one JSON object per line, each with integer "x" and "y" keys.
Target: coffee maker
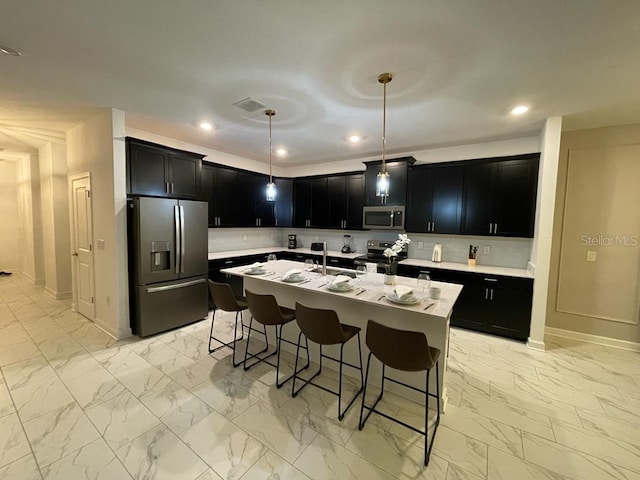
{"x": 292, "y": 243}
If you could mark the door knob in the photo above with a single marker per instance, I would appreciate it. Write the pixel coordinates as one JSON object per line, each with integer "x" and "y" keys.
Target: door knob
{"x": 74, "y": 254}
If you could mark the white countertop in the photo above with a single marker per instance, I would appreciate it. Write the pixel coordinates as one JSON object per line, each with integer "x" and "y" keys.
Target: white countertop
{"x": 267, "y": 250}
{"x": 462, "y": 267}
{"x": 369, "y": 290}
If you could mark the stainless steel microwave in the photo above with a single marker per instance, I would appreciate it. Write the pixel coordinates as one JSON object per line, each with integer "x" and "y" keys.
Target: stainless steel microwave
{"x": 383, "y": 218}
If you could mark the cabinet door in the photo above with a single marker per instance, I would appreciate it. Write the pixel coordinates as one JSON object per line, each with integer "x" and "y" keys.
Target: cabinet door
{"x": 263, "y": 208}
{"x": 471, "y": 308}
{"x": 420, "y": 200}
{"x": 302, "y": 202}
{"x": 514, "y": 202}
{"x": 355, "y": 201}
{"x": 511, "y": 312}
{"x": 446, "y": 188}
{"x": 147, "y": 170}
{"x": 184, "y": 176}
{"x": 319, "y": 202}
{"x": 337, "y": 194}
{"x": 283, "y": 208}
{"x": 478, "y": 193}
{"x": 206, "y": 191}
{"x": 225, "y": 193}
{"x": 397, "y": 184}
{"x": 245, "y": 198}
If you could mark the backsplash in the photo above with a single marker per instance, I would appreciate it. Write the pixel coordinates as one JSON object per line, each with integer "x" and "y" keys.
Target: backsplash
{"x": 505, "y": 252}
{"x": 225, "y": 239}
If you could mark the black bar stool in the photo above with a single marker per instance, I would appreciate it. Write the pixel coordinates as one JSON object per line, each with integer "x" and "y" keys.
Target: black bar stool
{"x": 225, "y": 300}
{"x": 409, "y": 352}
{"x": 324, "y": 328}
{"x": 265, "y": 310}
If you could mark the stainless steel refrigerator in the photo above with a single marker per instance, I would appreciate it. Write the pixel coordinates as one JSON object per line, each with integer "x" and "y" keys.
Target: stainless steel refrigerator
{"x": 167, "y": 263}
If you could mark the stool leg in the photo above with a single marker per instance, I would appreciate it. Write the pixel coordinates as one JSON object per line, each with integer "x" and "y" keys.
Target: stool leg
{"x": 295, "y": 366}
{"x": 235, "y": 339}
{"x": 364, "y": 395}
{"x": 340, "y": 415}
{"x": 246, "y": 351}
{"x": 426, "y": 423}
{"x": 213, "y": 317}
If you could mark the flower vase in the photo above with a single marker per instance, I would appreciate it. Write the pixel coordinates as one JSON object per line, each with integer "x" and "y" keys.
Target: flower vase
{"x": 389, "y": 279}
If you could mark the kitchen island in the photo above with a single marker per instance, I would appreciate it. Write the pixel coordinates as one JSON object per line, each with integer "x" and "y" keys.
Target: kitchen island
{"x": 367, "y": 301}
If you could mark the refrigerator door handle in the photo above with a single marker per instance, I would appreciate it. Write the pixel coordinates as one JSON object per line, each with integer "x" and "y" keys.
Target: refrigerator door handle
{"x": 178, "y": 249}
{"x": 182, "y": 246}
{"x": 164, "y": 288}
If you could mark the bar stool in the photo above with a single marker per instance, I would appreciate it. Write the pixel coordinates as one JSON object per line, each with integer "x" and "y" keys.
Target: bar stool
{"x": 265, "y": 310}
{"x": 324, "y": 328}
{"x": 410, "y": 352}
{"x": 225, "y": 300}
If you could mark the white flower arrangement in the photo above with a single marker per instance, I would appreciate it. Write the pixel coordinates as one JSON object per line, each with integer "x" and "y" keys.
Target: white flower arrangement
{"x": 392, "y": 252}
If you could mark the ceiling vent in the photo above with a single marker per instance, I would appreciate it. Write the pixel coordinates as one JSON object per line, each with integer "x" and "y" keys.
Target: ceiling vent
{"x": 249, "y": 105}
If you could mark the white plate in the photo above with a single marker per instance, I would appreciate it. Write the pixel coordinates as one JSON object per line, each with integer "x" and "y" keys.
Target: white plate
{"x": 261, "y": 271}
{"x": 334, "y": 288}
{"x": 393, "y": 298}
{"x": 293, "y": 279}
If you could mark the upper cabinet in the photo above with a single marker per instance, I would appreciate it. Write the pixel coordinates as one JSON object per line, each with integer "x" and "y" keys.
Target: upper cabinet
{"x": 435, "y": 199}
{"x": 160, "y": 171}
{"x": 398, "y": 175}
{"x": 499, "y": 197}
{"x": 283, "y": 208}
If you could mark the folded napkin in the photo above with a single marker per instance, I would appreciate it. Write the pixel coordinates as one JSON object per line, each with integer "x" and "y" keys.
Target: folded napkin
{"x": 255, "y": 266}
{"x": 293, "y": 273}
{"x": 403, "y": 292}
{"x": 341, "y": 280}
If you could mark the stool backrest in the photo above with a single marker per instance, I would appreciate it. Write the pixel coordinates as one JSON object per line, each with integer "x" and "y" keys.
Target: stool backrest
{"x": 399, "y": 349}
{"x": 264, "y": 308}
{"x": 319, "y": 326}
{"x": 223, "y": 297}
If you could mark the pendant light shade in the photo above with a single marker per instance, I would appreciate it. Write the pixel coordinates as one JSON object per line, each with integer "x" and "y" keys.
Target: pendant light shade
{"x": 271, "y": 187}
{"x": 383, "y": 181}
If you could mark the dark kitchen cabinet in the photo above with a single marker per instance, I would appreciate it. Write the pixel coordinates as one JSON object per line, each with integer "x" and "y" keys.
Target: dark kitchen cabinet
{"x": 346, "y": 199}
{"x": 283, "y": 208}
{"x": 435, "y": 199}
{"x": 398, "y": 175}
{"x": 161, "y": 171}
{"x": 225, "y": 189}
{"x": 320, "y": 202}
{"x": 499, "y": 197}
{"x": 252, "y": 207}
{"x": 302, "y": 202}
{"x": 263, "y": 210}
{"x": 493, "y": 304}
{"x": 206, "y": 190}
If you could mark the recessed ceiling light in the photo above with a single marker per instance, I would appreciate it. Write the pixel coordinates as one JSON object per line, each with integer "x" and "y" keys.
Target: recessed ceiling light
{"x": 281, "y": 152}
{"x": 10, "y": 51}
{"x": 354, "y": 138}
{"x": 206, "y": 126}
{"x": 520, "y": 109}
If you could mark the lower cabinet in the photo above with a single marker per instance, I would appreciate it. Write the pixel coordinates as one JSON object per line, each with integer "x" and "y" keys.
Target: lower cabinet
{"x": 493, "y": 304}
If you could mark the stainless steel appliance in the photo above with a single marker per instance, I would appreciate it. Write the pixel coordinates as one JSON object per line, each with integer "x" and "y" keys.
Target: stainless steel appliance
{"x": 346, "y": 244}
{"x": 317, "y": 246}
{"x": 383, "y": 218}
{"x": 168, "y": 245}
{"x": 436, "y": 255}
{"x": 374, "y": 254}
{"x": 292, "y": 243}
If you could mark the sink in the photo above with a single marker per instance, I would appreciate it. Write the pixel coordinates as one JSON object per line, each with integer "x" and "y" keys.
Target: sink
{"x": 336, "y": 271}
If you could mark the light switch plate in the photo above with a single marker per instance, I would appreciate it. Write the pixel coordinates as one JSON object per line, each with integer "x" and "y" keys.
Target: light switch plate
{"x": 420, "y": 245}
{"x": 486, "y": 250}
{"x": 100, "y": 243}
{"x": 591, "y": 256}
{"x": 244, "y": 238}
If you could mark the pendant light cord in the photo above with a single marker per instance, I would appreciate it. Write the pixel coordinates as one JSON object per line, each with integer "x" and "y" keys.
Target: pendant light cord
{"x": 384, "y": 128}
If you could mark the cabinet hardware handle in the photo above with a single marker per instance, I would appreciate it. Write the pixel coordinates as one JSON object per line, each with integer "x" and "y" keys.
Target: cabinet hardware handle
{"x": 171, "y": 187}
{"x": 486, "y": 293}
{"x": 495, "y": 228}
{"x": 166, "y": 187}
{"x": 492, "y": 294}
{"x": 228, "y": 262}
{"x": 490, "y": 279}
{"x": 433, "y": 226}
{"x": 490, "y": 227}
{"x": 428, "y": 272}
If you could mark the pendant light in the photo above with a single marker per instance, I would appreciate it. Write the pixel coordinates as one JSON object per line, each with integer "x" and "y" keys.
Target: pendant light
{"x": 382, "y": 181}
{"x": 271, "y": 187}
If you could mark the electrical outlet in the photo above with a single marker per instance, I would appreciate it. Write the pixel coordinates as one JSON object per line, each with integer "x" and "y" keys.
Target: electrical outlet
{"x": 420, "y": 245}
{"x": 244, "y": 238}
{"x": 315, "y": 239}
{"x": 591, "y": 256}
{"x": 486, "y": 250}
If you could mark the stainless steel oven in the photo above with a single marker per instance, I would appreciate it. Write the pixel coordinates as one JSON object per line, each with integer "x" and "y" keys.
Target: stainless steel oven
{"x": 383, "y": 218}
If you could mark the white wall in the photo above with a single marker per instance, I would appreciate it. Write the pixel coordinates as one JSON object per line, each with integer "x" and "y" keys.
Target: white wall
{"x": 30, "y": 260}
{"x": 9, "y": 246}
{"x": 91, "y": 147}
{"x": 545, "y": 210}
{"x": 55, "y": 219}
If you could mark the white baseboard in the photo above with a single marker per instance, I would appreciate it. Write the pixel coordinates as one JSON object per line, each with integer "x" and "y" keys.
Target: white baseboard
{"x": 535, "y": 345}
{"x": 117, "y": 334}
{"x": 597, "y": 339}
{"x": 57, "y": 295}
{"x": 30, "y": 278}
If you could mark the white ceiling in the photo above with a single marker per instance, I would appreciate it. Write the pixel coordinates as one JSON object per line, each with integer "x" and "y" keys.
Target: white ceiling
{"x": 459, "y": 66}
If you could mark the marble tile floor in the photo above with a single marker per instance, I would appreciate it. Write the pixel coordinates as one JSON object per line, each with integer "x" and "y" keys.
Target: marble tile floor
{"x": 76, "y": 404}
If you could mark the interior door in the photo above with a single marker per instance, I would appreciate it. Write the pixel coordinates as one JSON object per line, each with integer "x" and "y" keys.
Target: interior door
{"x": 82, "y": 245}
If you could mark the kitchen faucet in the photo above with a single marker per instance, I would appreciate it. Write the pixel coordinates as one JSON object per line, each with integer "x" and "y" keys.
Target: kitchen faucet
{"x": 324, "y": 259}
